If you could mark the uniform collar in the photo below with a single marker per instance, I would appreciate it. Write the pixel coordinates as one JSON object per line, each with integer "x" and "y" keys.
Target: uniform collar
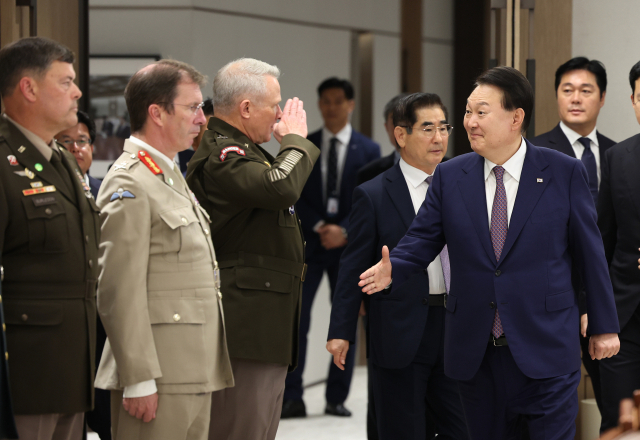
{"x": 150, "y": 149}
{"x": 228, "y": 131}
{"x": 43, "y": 148}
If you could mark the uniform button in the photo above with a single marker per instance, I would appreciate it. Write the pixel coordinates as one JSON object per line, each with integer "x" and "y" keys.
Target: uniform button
{"x": 4, "y": 327}
{"x": 219, "y": 294}
{"x": 0, "y": 298}
{"x": 498, "y": 272}
{"x": 305, "y": 243}
{"x": 25, "y": 317}
{"x": 184, "y": 221}
{"x": 425, "y": 301}
{"x": 86, "y": 239}
{"x": 492, "y": 305}
{"x": 48, "y": 211}
{"x": 176, "y": 317}
{"x": 91, "y": 263}
{"x": 299, "y": 221}
{"x": 133, "y": 156}
{"x": 206, "y": 232}
{"x": 6, "y": 355}
{"x": 267, "y": 284}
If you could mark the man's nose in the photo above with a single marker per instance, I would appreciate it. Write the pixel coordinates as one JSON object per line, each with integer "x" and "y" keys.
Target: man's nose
{"x": 200, "y": 118}
{"x": 279, "y": 113}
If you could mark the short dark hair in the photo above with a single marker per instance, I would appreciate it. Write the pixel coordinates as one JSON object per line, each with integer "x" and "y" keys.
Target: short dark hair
{"x": 207, "y": 108}
{"x": 29, "y": 56}
{"x": 157, "y": 85}
{"x": 633, "y": 76}
{"x": 516, "y": 90}
{"x": 391, "y": 105}
{"x": 336, "y": 83}
{"x": 83, "y": 118}
{"x": 582, "y": 63}
{"x": 405, "y": 112}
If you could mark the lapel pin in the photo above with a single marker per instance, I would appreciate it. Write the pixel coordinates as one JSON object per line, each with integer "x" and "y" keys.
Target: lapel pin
{"x": 38, "y": 167}
{"x": 21, "y": 149}
{"x": 539, "y": 180}
{"x": 12, "y": 160}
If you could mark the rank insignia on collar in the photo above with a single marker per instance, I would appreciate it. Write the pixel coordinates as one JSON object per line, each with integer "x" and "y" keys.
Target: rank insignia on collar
{"x": 21, "y": 149}
{"x": 292, "y": 210}
{"x": 121, "y": 166}
{"x": 149, "y": 163}
{"x": 12, "y": 160}
{"x": 233, "y": 149}
{"x": 220, "y": 136}
{"x": 121, "y": 194}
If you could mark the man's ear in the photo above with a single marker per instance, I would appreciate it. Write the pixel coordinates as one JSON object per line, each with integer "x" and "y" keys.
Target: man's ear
{"x": 604, "y": 95}
{"x": 400, "y": 135}
{"x": 245, "y": 109}
{"x": 352, "y": 105}
{"x": 28, "y": 88}
{"x": 155, "y": 113}
{"x": 518, "y": 120}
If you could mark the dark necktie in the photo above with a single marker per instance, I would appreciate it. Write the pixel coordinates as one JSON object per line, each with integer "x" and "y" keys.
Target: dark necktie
{"x": 56, "y": 162}
{"x": 499, "y": 227}
{"x": 444, "y": 255}
{"x": 332, "y": 170}
{"x": 589, "y": 161}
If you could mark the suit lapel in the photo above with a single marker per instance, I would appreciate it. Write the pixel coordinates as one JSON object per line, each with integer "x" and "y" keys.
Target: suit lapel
{"x": 396, "y": 187}
{"x": 529, "y": 191}
{"x": 560, "y": 140}
{"x": 631, "y": 167}
{"x": 472, "y": 188}
{"x": 31, "y": 156}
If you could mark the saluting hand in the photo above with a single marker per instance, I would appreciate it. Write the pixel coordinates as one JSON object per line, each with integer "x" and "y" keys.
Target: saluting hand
{"x": 377, "y": 277}
{"x": 293, "y": 120}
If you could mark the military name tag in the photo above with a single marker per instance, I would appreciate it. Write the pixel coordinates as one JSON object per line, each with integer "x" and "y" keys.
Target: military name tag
{"x": 44, "y": 189}
{"x": 44, "y": 200}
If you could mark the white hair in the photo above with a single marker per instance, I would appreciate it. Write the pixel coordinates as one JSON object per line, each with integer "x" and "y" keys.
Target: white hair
{"x": 244, "y": 78}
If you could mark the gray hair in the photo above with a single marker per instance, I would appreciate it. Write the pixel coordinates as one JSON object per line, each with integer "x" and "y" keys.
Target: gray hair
{"x": 244, "y": 78}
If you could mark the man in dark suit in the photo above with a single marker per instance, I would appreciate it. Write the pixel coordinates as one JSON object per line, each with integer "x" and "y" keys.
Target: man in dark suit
{"x": 406, "y": 328}
{"x": 379, "y": 166}
{"x": 79, "y": 140}
{"x": 324, "y": 211}
{"x": 515, "y": 218}
{"x": 49, "y": 232}
{"x": 7, "y": 422}
{"x": 619, "y": 222}
{"x": 581, "y": 87}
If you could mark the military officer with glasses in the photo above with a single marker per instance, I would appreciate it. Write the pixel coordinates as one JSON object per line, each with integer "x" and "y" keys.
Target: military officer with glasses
{"x": 413, "y": 398}
{"x": 159, "y": 292}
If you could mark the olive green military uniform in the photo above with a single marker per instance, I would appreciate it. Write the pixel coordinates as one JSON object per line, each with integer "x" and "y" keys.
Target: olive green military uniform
{"x": 7, "y": 422}
{"x": 159, "y": 298}
{"x": 250, "y": 197}
{"x": 49, "y": 232}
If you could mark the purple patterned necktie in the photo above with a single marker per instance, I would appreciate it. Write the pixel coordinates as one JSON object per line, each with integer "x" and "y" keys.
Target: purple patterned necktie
{"x": 444, "y": 255}
{"x": 499, "y": 226}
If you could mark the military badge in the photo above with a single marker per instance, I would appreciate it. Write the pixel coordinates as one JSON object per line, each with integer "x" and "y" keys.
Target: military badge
{"x": 44, "y": 189}
{"x": 30, "y": 174}
{"x": 234, "y": 149}
{"x": 12, "y": 160}
{"x": 21, "y": 149}
{"x": 122, "y": 166}
{"x": 36, "y": 185}
{"x": 149, "y": 163}
{"x": 292, "y": 210}
{"x": 121, "y": 194}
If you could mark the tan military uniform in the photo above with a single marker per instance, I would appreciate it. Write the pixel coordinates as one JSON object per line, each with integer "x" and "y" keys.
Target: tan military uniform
{"x": 158, "y": 296}
{"x": 250, "y": 196}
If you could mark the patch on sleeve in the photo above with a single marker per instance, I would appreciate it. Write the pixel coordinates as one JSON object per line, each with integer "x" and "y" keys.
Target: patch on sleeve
{"x": 121, "y": 194}
{"x": 227, "y": 150}
{"x": 285, "y": 167}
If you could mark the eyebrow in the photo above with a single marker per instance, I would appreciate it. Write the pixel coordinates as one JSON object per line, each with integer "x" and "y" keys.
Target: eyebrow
{"x": 425, "y": 123}
{"x": 581, "y": 85}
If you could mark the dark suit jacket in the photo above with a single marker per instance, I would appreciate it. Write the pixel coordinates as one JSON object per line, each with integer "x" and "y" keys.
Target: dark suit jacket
{"x": 381, "y": 214}
{"x": 184, "y": 157}
{"x": 94, "y": 184}
{"x": 7, "y": 422}
{"x": 556, "y": 140}
{"x": 372, "y": 169}
{"x": 553, "y": 225}
{"x": 311, "y": 208}
{"x": 619, "y": 222}
{"x": 49, "y": 246}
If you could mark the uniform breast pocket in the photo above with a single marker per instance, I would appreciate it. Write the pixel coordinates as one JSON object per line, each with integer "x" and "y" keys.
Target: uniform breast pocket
{"x": 47, "y": 224}
{"x": 286, "y": 220}
{"x": 178, "y": 327}
{"x": 183, "y": 239}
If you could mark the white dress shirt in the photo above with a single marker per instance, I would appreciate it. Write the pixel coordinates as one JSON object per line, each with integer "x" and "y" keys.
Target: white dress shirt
{"x": 343, "y": 136}
{"x": 511, "y": 180}
{"x": 418, "y": 190}
{"x": 578, "y": 148}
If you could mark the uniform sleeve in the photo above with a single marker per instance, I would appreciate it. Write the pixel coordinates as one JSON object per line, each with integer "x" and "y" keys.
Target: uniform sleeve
{"x": 246, "y": 182}
{"x": 122, "y": 287}
{"x": 359, "y": 255}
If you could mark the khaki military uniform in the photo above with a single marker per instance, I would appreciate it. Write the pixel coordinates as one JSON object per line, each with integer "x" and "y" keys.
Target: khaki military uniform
{"x": 158, "y": 296}
{"x": 49, "y": 234}
{"x": 250, "y": 197}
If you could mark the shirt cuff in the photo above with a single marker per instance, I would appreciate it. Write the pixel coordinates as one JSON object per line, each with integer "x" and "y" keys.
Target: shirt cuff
{"x": 141, "y": 389}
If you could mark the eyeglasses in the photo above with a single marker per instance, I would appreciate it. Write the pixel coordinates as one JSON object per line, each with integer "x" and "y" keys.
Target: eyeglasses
{"x": 193, "y": 108}
{"x": 430, "y": 130}
{"x": 80, "y": 142}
